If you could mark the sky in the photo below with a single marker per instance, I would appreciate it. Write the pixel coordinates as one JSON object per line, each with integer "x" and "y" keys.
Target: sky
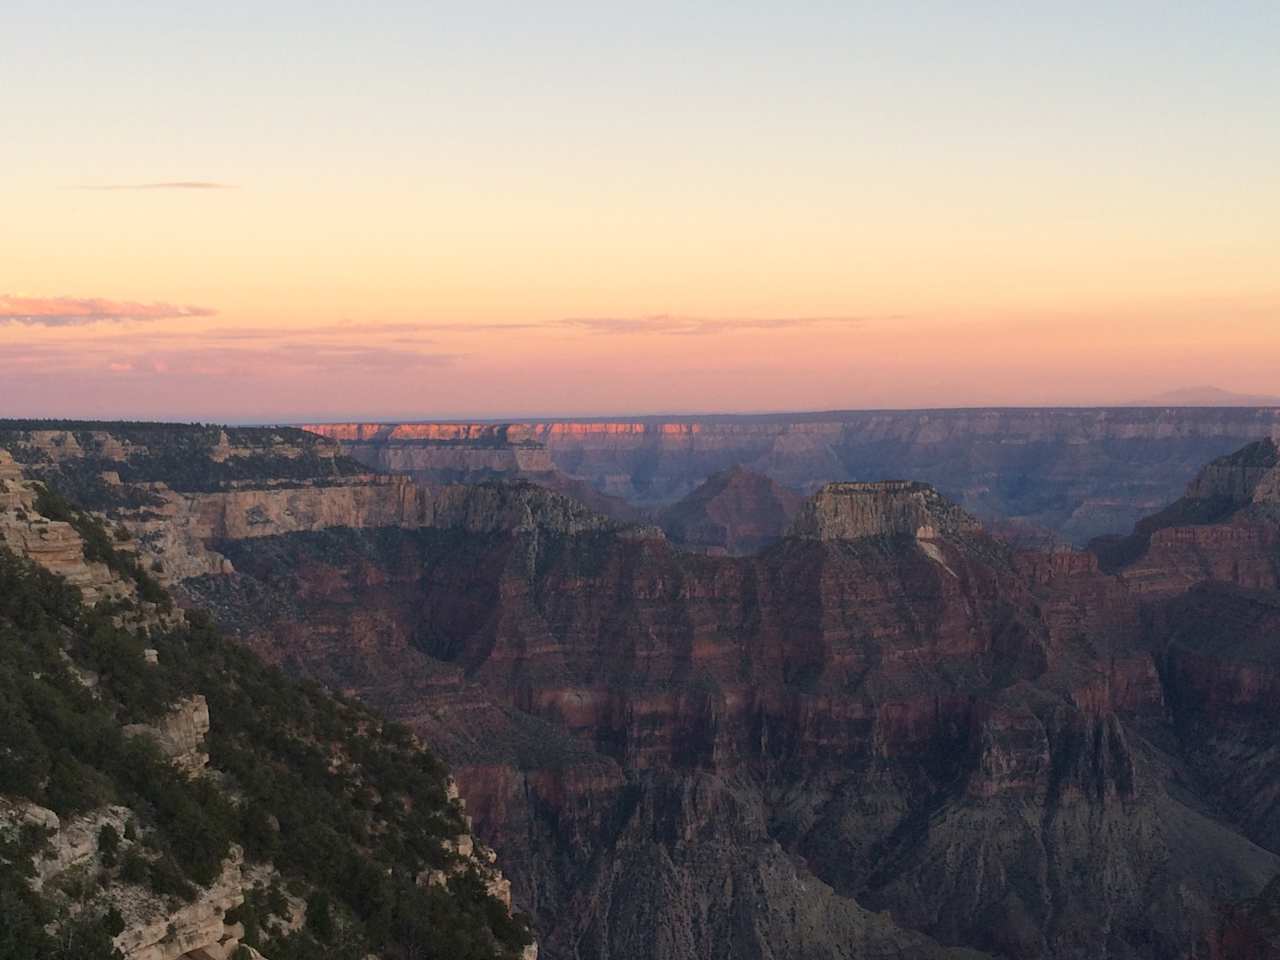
{"x": 295, "y": 211}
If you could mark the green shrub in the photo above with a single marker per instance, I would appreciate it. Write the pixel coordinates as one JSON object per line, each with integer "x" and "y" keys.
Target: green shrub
{"x": 135, "y": 868}
{"x": 108, "y": 845}
{"x": 166, "y": 878}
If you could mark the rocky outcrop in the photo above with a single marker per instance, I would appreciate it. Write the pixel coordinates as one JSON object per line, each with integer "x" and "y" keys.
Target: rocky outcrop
{"x": 853, "y": 511}
{"x": 180, "y": 734}
{"x": 1250, "y": 475}
{"x": 10, "y": 474}
{"x": 53, "y": 544}
{"x": 58, "y": 548}
{"x": 471, "y": 855}
{"x": 1225, "y": 528}
{"x": 155, "y": 927}
{"x": 200, "y": 929}
{"x": 180, "y": 535}
{"x": 71, "y": 844}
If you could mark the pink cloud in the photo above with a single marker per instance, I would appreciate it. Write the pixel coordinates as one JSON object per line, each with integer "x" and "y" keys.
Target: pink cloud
{"x": 132, "y": 356}
{"x": 127, "y": 375}
{"x": 697, "y": 326}
{"x": 80, "y": 311}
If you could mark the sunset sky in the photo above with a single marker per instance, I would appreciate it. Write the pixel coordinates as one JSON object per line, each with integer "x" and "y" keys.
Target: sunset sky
{"x": 293, "y": 211}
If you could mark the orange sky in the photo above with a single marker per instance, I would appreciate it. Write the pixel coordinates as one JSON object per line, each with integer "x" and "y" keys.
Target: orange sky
{"x": 256, "y": 217}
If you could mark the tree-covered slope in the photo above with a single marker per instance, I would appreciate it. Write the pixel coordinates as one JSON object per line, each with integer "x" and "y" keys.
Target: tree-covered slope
{"x": 105, "y": 465}
{"x": 337, "y": 829}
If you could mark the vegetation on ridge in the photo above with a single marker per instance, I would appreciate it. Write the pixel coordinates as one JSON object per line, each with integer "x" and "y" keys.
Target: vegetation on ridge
{"x": 180, "y": 455}
{"x": 348, "y": 807}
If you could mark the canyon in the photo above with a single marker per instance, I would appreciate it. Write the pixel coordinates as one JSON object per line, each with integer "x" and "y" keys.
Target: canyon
{"x": 875, "y": 731}
{"x": 1067, "y": 474}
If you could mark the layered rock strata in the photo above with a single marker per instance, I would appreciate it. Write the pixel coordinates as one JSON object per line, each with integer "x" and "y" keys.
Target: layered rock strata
{"x": 884, "y": 736}
{"x": 1079, "y": 473}
{"x": 853, "y": 511}
{"x": 885, "y": 692}
{"x": 53, "y": 544}
{"x": 1225, "y": 528}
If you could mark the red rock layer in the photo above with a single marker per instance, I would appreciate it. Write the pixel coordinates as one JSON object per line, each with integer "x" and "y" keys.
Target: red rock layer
{"x": 1024, "y": 754}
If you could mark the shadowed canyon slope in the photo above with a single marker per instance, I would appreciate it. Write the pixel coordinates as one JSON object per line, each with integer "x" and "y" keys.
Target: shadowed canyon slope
{"x": 1076, "y": 473}
{"x": 885, "y": 735}
{"x": 734, "y": 512}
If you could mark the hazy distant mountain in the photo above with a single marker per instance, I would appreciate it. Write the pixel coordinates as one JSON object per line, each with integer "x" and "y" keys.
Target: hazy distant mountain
{"x": 1206, "y": 397}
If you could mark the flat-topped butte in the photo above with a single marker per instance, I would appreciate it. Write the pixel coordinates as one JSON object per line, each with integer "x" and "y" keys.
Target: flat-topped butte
{"x": 853, "y": 511}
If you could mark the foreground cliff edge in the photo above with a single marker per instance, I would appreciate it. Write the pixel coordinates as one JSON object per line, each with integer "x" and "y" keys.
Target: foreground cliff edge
{"x": 885, "y": 735}
{"x": 164, "y": 795}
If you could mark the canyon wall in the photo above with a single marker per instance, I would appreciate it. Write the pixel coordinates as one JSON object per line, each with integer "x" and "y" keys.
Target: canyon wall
{"x": 767, "y": 751}
{"x": 884, "y": 735}
{"x": 1225, "y": 528}
{"x": 1077, "y": 473}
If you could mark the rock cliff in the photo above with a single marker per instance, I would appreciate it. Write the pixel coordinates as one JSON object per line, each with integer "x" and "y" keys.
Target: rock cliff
{"x": 853, "y": 511}
{"x": 54, "y": 544}
{"x": 180, "y": 734}
{"x": 1226, "y": 527}
{"x": 1249, "y": 475}
{"x": 1079, "y": 473}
